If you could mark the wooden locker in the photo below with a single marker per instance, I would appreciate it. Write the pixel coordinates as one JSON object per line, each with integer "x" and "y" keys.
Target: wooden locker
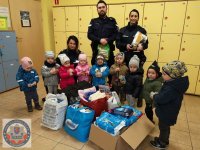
{"x": 153, "y": 47}
{"x": 59, "y": 18}
{"x": 192, "y": 22}
{"x": 145, "y": 67}
{"x": 153, "y": 15}
{"x": 169, "y": 47}
{"x": 192, "y": 73}
{"x": 190, "y": 47}
{"x": 85, "y": 15}
{"x": 60, "y": 41}
{"x": 129, "y": 7}
{"x": 94, "y": 12}
{"x": 117, "y": 12}
{"x": 197, "y": 90}
{"x": 71, "y": 14}
{"x": 173, "y": 21}
{"x": 85, "y": 44}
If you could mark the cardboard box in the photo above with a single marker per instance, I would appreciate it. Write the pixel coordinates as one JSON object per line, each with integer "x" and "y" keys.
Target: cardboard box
{"x": 128, "y": 140}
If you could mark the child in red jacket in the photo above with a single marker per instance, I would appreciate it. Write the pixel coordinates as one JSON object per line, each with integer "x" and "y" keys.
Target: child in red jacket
{"x": 66, "y": 72}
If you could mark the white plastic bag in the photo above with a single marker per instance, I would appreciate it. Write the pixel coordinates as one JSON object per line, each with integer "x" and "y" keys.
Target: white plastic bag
{"x": 113, "y": 101}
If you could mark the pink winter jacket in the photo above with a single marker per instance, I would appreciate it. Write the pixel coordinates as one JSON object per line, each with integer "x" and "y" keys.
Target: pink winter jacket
{"x": 65, "y": 78}
{"x": 79, "y": 69}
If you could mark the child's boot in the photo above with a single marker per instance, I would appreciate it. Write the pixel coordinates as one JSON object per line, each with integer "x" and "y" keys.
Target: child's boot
{"x": 37, "y": 106}
{"x": 30, "y": 108}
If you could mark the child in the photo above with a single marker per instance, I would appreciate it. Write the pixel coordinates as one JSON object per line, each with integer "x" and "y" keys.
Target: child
{"x": 99, "y": 71}
{"x": 49, "y": 73}
{"x": 83, "y": 68}
{"x": 153, "y": 83}
{"x": 133, "y": 81}
{"x": 168, "y": 100}
{"x": 66, "y": 72}
{"x": 27, "y": 79}
{"x": 118, "y": 72}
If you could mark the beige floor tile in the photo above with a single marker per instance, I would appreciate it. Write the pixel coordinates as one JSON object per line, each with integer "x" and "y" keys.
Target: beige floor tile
{"x": 63, "y": 147}
{"x": 177, "y": 146}
{"x": 2, "y": 148}
{"x": 91, "y": 146}
{"x": 36, "y": 127}
{"x": 193, "y": 117}
{"x": 70, "y": 141}
{"x": 195, "y": 138}
{"x": 194, "y": 127}
{"x": 155, "y": 132}
{"x": 181, "y": 125}
{"x": 194, "y": 148}
{"x": 182, "y": 116}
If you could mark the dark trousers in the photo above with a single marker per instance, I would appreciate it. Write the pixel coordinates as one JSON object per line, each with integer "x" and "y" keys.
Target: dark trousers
{"x": 31, "y": 95}
{"x": 149, "y": 111}
{"x": 164, "y": 132}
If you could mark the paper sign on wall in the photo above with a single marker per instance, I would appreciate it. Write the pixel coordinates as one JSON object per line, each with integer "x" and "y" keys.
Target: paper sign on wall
{"x": 4, "y": 12}
{"x": 3, "y": 23}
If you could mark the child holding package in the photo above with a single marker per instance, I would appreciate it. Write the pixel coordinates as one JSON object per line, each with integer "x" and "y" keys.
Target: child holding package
{"x": 99, "y": 71}
{"x": 152, "y": 83}
{"x": 133, "y": 81}
{"x": 66, "y": 72}
{"x": 50, "y": 73}
{"x": 82, "y": 68}
{"x": 118, "y": 72}
{"x": 168, "y": 100}
{"x": 27, "y": 79}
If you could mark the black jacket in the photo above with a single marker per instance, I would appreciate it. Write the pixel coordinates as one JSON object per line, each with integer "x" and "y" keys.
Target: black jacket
{"x": 125, "y": 36}
{"x": 133, "y": 84}
{"x": 168, "y": 101}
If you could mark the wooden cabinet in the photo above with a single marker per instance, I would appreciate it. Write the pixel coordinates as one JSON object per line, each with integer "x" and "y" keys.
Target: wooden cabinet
{"x": 94, "y": 12}
{"x": 59, "y": 18}
{"x": 85, "y": 44}
{"x": 173, "y": 20}
{"x": 192, "y": 21}
{"x": 71, "y": 16}
{"x": 197, "y": 91}
{"x": 85, "y": 15}
{"x": 190, "y": 47}
{"x": 60, "y": 41}
{"x": 129, "y": 7}
{"x": 153, "y": 15}
{"x": 153, "y": 47}
{"x": 169, "y": 47}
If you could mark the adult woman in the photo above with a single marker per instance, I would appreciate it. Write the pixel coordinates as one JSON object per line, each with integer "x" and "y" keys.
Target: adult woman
{"x": 72, "y": 50}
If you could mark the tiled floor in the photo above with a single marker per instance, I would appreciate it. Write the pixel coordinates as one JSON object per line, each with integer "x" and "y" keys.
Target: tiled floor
{"x": 185, "y": 135}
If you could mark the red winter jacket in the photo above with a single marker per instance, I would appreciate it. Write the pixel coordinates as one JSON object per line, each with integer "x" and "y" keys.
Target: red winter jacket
{"x": 65, "y": 78}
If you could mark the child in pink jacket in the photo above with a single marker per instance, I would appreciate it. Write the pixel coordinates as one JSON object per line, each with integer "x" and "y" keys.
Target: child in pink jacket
{"x": 83, "y": 68}
{"x": 66, "y": 72}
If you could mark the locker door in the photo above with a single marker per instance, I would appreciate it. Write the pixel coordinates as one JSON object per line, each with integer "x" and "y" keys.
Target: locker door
{"x": 197, "y": 91}
{"x": 192, "y": 73}
{"x": 85, "y": 44}
{"x": 153, "y": 15}
{"x": 71, "y": 14}
{"x": 85, "y": 15}
{"x": 71, "y": 33}
{"x": 145, "y": 67}
{"x": 94, "y": 12}
{"x": 60, "y": 41}
{"x": 117, "y": 12}
{"x": 10, "y": 70}
{"x": 59, "y": 18}
{"x": 129, "y": 7}
{"x": 2, "y": 80}
{"x": 169, "y": 47}
{"x": 153, "y": 47}
{"x": 190, "y": 47}
{"x": 8, "y": 46}
{"x": 192, "y": 22}
{"x": 173, "y": 22}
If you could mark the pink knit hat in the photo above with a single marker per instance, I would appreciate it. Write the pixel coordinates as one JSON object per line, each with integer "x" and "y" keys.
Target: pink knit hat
{"x": 26, "y": 62}
{"x": 82, "y": 57}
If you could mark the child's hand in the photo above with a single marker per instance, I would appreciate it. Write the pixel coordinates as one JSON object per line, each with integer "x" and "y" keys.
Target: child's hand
{"x": 71, "y": 72}
{"x": 117, "y": 69}
{"x": 34, "y": 83}
{"x": 98, "y": 74}
{"x": 152, "y": 94}
{"x": 52, "y": 71}
{"x": 29, "y": 85}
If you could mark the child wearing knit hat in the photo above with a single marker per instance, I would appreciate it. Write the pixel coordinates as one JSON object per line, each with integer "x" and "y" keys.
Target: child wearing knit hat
{"x": 50, "y": 73}
{"x": 66, "y": 72}
{"x": 133, "y": 81}
{"x": 82, "y": 68}
{"x": 27, "y": 79}
{"x": 168, "y": 100}
{"x": 118, "y": 71}
{"x": 153, "y": 83}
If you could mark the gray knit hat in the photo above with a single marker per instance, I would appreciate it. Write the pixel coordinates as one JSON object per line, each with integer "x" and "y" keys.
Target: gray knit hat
{"x": 175, "y": 69}
{"x": 134, "y": 60}
{"x": 49, "y": 53}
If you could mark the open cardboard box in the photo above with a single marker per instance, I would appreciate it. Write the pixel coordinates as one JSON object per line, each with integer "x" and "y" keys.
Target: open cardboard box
{"x": 128, "y": 140}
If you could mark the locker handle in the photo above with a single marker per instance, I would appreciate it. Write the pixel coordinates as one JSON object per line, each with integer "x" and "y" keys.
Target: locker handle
{"x": 166, "y": 18}
{"x": 188, "y": 17}
{"x": 67, "y": 19}
{"x": 54, "y": 19}
{"x": 126, "y": 18}
{"x": 80, "y": 19}
{"x": 162, "y": 48}
{"x": 183, "y": 49}
{"x": 80, "y": 43}
{"x": 145, "y": 18}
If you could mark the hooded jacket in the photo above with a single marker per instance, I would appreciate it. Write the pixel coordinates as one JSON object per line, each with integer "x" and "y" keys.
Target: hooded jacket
{"x": 80, "y": 69}
{"x": 168, "y": 101}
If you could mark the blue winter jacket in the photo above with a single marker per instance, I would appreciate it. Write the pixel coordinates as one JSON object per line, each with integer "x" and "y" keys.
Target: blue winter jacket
{"x": 105, "y": 72}
{"x": 27, "y": 77}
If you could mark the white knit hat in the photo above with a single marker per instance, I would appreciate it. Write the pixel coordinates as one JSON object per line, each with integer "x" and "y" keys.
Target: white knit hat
{"x": 49, "y": 54}
{"x": 63, "y": 58}
{"x": 134, "y": 60}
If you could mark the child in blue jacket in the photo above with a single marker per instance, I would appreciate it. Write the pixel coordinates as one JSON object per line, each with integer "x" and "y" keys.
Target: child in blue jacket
{"x": 27, "y": 79}
{"x": 99, "y": 71}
